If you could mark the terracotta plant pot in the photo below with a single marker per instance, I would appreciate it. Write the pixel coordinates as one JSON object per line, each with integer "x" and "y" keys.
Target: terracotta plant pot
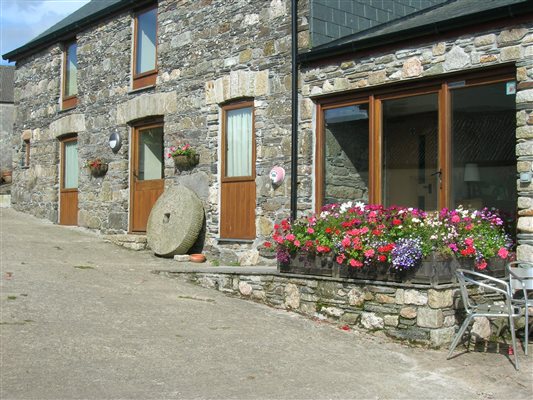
{"x": 197, "y": 258}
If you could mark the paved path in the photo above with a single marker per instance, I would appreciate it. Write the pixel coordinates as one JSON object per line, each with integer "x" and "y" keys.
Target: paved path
{"x": 81, "y": 318}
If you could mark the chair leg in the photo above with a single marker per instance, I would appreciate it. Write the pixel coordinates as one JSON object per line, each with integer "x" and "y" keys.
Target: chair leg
{"x": 526, "y": 329}
{"x": 459, "y": 335}
{"x": 513, "y": 337}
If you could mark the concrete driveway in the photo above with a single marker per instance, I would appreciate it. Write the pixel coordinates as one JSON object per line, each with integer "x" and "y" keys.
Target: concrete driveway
{"x": 82, "y": 318}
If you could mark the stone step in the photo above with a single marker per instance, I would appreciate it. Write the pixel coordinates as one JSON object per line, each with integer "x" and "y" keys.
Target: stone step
{"x": 5, "y": 200}
{"x": 129, "y": 241}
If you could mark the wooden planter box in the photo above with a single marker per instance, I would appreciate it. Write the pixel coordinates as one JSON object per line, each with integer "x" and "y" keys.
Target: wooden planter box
{"x": 433, "y": 270}
{"x": 308, "y": 264}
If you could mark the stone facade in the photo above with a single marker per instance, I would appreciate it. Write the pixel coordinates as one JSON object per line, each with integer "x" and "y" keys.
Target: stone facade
{"x": 485, "y": 49}
{"x": 208, "y": 54}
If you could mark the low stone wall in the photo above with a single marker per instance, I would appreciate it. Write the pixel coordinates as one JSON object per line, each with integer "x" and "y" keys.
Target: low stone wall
{"x": 410, "y": 312}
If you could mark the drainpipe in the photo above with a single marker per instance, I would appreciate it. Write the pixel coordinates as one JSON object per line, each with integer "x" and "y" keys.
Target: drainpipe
{"x": 294, "y": 108}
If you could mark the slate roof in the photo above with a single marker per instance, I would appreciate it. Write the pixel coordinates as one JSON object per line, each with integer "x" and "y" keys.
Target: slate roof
{"x": 7, "y": 78}
{"x": 440, "y": 18}
{"x": 90, "y": 13}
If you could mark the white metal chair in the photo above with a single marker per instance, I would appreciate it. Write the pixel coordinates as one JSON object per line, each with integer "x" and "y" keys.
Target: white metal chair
{"x": 521, "y": 282}
{"x": 482, "y": 306}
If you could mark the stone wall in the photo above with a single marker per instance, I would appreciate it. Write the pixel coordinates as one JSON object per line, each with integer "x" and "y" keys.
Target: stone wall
{"x": 209, "y": 53}
{"x": 414, "y": 313}
{"x": 511, "y": 45}
{"x": 7, "y": 118}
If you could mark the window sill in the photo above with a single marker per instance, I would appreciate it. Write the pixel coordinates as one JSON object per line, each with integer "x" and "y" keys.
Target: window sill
{"x": 64, "y": 110}
{"x": 234, "y": 241}
{"x": 142, "y": 89}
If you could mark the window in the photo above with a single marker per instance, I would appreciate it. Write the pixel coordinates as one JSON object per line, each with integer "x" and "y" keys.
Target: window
{"x": 442, "y": 144}
{"x": 70, "y": 76}
{"x": 26, "y": 159}
{"x": 145, "y": 49}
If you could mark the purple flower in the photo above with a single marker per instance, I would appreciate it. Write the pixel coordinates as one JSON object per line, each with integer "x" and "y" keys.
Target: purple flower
{"x": 406, "y": 254}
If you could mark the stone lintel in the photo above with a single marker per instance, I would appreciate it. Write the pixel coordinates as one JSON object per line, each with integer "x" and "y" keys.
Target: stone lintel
{"x": 72, "y": 123}
{"x": 147, "y": 105}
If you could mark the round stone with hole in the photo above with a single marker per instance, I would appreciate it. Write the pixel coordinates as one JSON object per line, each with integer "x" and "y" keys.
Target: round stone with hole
{"x": 175, "y": 221}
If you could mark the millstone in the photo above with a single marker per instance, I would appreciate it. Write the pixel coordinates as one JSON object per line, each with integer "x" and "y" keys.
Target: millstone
{"x": 175, "y": 221}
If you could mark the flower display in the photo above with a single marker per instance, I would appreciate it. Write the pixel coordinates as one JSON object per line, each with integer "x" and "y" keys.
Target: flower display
{"x": 361, "y": 235}
{"x": 182, "y": 150}
{"x": 94, "y": 164}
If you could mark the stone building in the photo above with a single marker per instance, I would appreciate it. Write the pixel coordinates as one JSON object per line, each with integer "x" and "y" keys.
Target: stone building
{"x": 7, "y": 116}
{"x": 159, "y": 74}
{"x": 430, "y": 110}
{"x": 423, "y": 104}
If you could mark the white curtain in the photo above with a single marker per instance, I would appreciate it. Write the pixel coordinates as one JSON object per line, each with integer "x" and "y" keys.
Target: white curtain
{"x": 151, "y": 154}
{"x": 71, "y": 87}
{"x": 146, "y": 41}
{"x": 71, "y": 165}
{"x": 239, "y": 142}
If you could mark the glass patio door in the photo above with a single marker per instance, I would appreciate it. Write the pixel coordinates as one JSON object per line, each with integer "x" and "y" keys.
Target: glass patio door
{"x": 410, "y": 151}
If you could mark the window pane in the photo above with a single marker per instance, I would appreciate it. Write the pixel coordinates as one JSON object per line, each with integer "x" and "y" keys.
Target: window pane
{"x": 71, "y": 73}
{"x": 146, "y": 41}
{"x": 151, "y": 154}
{"x": 484, "y": 162}
{"x": 71, "y": 165}
{"x": 346, "y": 154}
{"x": 239, "y": 142}
{"x": 410, "y": 152}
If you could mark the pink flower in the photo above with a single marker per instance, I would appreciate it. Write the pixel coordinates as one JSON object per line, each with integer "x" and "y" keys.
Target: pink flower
{"x": 481, "y": 265}
{"x": 340, "y": 259}
{"x": 469, "y": 241}
{"x": 369, "y": 253}
{"x": 453, "y": 246}
{"x": 456, "y": 219}
{"x": 310, "y": 230}
{"x": 355, "y": 263}
{"x": 267, "y": 244}
{"x": 290, "y": 237}
{"x": 346, "y": 242}
{"x": 297, "y": 243}
{"x": 503, "y": 253}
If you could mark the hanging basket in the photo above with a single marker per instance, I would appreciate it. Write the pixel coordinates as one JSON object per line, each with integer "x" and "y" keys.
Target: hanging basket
{"x": 186, "y": 161}
{"x": 99, "y": 170}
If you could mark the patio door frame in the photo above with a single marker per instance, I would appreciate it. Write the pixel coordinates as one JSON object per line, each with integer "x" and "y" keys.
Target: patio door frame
{"x": 68, "y": 197}
{"x": 155, "y": 184}
{"x": 238, "y": 197}
{"x": 442, "y": 86}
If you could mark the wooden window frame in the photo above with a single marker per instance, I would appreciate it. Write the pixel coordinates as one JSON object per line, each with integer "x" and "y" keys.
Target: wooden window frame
{"x": 225, "y": 109}
{"x": 147, "y": 78}
{"x": 441, "y": 86}
{"x": 68, "y": 102}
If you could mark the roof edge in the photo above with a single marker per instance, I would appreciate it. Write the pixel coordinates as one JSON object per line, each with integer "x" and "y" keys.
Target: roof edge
{"x": 508, "y": 11}
{"x": 71, "y": 29}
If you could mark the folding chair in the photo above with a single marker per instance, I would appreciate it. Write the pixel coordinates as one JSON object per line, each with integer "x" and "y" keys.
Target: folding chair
{"x": 521, "y": 282}
{"x": 481, "y": 306}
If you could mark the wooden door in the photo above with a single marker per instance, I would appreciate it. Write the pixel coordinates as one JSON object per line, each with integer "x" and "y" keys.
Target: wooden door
{"x": 238, "y": 191}
{"x": 68, "y": 194}
{"x": 147, "y": 181}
